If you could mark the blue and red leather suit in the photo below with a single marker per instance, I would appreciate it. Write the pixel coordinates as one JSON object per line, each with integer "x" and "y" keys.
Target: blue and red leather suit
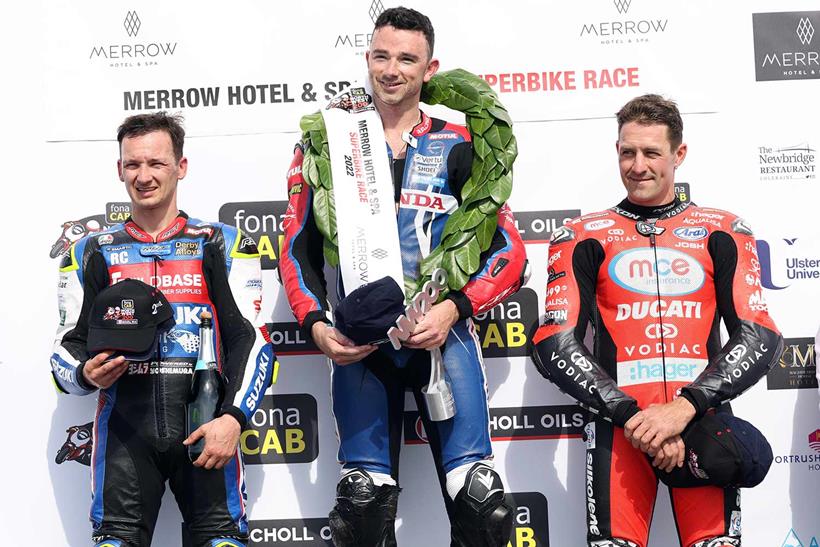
{"x": 140, "y": 420}
{"x": 368, "y": 397}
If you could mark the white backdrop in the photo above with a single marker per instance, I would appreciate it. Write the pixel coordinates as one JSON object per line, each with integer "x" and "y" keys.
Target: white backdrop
{"x": 746, "y": 80}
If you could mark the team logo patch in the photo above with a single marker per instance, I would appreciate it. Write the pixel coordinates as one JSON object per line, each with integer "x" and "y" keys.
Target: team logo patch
{"x": 124, "y": 314}
{"x": 691, "y": 234}
{"x": 483, "y": 483}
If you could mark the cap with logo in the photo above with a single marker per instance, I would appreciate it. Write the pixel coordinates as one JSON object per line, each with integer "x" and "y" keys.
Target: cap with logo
{"x": 127, "y": 318}
{"x": 367, "y": 313}
{"x": 721, "y": 450}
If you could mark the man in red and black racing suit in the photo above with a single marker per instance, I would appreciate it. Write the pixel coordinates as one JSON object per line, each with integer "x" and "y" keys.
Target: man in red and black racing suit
{"x": 653, "y": 280}
{"x": 139, "y": 426}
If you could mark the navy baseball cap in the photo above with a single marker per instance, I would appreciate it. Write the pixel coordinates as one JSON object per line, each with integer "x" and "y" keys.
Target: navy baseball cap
{"x": 127, "y": 318}
{"x": 367, "y": 313}
{"x": 721, "y": 450}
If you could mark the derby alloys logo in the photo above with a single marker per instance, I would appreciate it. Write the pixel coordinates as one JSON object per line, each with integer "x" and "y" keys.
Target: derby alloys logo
{"x": 77, "y": 446}
{"x": 132, "y": 51}
{"x": 785, "y": 45}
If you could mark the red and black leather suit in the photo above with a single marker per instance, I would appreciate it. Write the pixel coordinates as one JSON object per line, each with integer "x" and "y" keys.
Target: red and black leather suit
{"x": 654, "y": 285}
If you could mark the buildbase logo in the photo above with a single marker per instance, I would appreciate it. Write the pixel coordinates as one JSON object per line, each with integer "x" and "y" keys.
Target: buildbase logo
{"x": 131, "y": 49}
{"x": 787, "y": 163}
{"x": 785, "y": 45}
{"x": 624, "y": 26}
{"x": 359, "y": 40}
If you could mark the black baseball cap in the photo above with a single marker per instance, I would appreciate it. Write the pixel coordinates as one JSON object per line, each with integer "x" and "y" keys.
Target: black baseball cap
{"x": 721, "y": 450}
{"x": 367, "y": 313}
{"x": 127, "y": 318}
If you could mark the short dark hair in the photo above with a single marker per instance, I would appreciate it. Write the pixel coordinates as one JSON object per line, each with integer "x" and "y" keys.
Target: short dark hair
{"x": 651, "y": 110}
{"x": 142, "y": 124}
{"x": 402, "y": 18}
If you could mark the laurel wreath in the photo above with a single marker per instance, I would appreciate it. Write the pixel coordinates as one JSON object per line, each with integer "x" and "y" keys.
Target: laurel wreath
{"x": 469, "y": 230}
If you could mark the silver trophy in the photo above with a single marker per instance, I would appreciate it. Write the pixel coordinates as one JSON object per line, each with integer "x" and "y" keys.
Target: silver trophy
{"x": 437, "y": 393}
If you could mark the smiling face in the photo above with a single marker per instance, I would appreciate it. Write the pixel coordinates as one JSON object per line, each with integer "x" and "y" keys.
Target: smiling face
{"x": 398, "y": 63}
{"x": 647, "y": 163}
{"x": 150, "y": 171}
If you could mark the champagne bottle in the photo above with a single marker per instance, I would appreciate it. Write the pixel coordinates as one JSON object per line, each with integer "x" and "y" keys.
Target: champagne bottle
{"x": 207, "y": 389}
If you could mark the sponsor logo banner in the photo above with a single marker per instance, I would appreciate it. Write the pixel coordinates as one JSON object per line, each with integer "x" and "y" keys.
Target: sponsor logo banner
{"x": 531, "y": 521}
{"x": 797, "y": 366}
{"x": 646, "y": 371}
{"x": 284, "y": 429}
{"x": 785, "y": 45}
{"x": 515, "y": 423}
{"x": 261, "y": 220}
{"x": 793, "y": 540}
{"x": 787, "y": 163}
{"x": 785, "y": 261}
{"x": 622, "y": 27}
{"x": 674, "y": 273}
{"x": 809, "y": 460}
{"x": 289, "y": 339}
{"x": 504, "y": 331}
{"x": 537, "y": 226}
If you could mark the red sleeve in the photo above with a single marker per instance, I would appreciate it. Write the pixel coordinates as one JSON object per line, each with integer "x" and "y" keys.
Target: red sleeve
{"x": 501, "y": 272}
{"x": 301, "y": 261}
{"x": 559, "y": 353}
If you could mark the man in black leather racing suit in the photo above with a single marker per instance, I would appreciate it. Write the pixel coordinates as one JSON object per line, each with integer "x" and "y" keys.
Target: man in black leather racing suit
{"x": 139, "y": 427}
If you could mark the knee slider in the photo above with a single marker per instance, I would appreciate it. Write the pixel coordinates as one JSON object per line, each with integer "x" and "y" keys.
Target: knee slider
{"x": 482, "y": 517}
{"x": 364, "y": 513}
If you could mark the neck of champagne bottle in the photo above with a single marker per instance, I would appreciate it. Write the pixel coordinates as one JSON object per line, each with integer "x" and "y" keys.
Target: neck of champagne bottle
{"x": 207, "y": 356}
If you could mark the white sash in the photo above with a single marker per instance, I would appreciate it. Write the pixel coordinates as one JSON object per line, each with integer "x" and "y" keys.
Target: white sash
{"x": 368, "y": 233}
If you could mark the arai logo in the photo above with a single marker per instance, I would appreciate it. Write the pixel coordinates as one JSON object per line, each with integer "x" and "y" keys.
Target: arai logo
{"x": 674, "y": 274}
{"x": 691, "y": 234}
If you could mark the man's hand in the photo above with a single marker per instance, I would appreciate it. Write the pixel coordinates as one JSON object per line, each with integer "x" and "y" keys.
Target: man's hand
{"x": 649, "y": 428}
{"x": 101, "y": 373}
{"x": 338, "y": 347}
{"x": 221, "y": 439}
{"x": 432, "y": 331}
{"x": 670, "y": 455}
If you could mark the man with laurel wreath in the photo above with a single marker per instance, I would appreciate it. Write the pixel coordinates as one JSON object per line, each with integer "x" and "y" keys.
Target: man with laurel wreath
{"x": 449, "y": 215}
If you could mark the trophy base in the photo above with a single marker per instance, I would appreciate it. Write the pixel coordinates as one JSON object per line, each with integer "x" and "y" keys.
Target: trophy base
{"x": 439, "y": 402}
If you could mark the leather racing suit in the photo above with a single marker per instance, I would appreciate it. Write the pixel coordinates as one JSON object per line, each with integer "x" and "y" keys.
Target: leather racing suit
{"x": 368, "y": 396}
{"x": 140, "y": 419}
{"x": 654, "y": 285}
